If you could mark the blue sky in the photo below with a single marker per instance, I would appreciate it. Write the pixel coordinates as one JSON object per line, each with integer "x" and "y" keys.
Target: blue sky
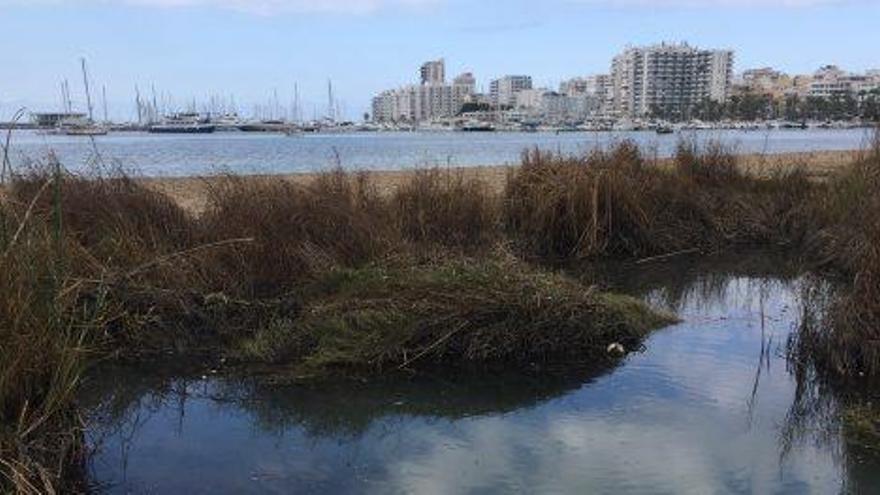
{"x": 250, "y": 48}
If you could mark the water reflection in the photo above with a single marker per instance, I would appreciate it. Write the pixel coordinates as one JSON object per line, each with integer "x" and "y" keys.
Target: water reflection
{"x": 709, "y": 407}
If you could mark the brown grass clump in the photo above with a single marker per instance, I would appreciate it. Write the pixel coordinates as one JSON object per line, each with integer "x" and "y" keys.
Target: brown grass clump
{"x": 749, "y": 210}
{"x": 614, "y": 204}
{"x": 128, "y": 247}
{"x": 564, "y": 207}
{"x": 442, "y": 207}
{"x": 712, "y": 165}
{"x": 844, "y": 343}
{"x": 296, "y": 231}
{"x": 43, "y": 328}
{"x": 846, "y": 215}
{"x": 119, "y": 221}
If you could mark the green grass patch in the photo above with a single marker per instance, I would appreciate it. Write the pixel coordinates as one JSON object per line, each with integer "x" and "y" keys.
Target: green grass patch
{"x": 456, "y": 313}
{"x": 861, "y": 426}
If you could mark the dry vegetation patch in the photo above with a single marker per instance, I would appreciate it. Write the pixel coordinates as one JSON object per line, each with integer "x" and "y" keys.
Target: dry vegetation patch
{"x": 337, "y": 274}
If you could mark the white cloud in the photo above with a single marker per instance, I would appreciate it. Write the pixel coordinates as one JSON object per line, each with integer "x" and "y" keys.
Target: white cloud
{"x": 262, "y": 7}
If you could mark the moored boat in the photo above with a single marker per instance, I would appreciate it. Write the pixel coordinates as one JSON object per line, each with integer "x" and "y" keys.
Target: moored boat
{"x": 182, "y": 128}
{"x": 92, "y": 130}
{"x": 264, "y": 126}
{"x": 476, "y": 126}
{"x": 183, "y": 123}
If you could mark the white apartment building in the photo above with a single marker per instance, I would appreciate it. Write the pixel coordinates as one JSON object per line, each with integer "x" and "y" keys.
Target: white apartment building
{"x": 598, "y": 89}
{"x": 383, "y": 106}
{"x": 765, "y": 80}
{"x": 464, "y": 86}
{"x": 431, "y": 99}
{"x": 556, "y": 107}
{"x": 529, "y": 99}
{"x": 466, "y": 80}
{"x": 433, "y": 72}
{"x": 672, "y": 78}
{"x": 561, "y": 108}
{"x": 503, "y": 91}
{"x": 830, "y": 81}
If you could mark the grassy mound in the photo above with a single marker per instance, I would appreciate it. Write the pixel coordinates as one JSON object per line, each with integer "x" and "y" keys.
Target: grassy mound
{"x": 454, "y": 313}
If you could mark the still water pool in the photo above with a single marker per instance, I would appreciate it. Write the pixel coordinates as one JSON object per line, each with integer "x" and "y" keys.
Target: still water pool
{"x": 708, "y": 406}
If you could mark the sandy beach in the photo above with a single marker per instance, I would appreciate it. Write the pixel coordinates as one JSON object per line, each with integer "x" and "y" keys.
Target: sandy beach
{"x": 191, "y": 192}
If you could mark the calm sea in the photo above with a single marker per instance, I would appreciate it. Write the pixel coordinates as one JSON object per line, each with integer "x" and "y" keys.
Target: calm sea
{"x": 183, "y": 155}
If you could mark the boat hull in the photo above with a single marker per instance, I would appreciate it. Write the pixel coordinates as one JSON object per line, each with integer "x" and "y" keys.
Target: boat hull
{"x": 85, "y": 132}
{"x": 183, "y": 129}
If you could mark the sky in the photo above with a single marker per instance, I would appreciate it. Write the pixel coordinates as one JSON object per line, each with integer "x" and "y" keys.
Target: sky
{"x": 252, "y": 49}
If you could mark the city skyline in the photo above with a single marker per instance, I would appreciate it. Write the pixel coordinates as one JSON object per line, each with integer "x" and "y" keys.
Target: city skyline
{"x": 368, "y": 46}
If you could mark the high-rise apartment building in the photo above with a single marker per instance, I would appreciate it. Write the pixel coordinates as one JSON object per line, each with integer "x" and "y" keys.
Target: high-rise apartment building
{"x": 466, "y": 81}
{"x": 597, "y": 89}
{"x": 431, "y": 99}
{"x": 503, "y": 91}
{"x": 433, "y": 72}
{"x": 669, "y": 79}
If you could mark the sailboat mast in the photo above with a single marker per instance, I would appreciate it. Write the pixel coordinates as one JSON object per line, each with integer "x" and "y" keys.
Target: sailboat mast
{"x": 104, "y": 101}
{"x": 137, "y": 101}
{"x": 65, "y": 90}
{"x": 296, "y": 112}
{"x": 154, "y": 115}
{"x": 63, "y": 97}
{"x": 330, "y": 114}
{"x": 86, "y": 84}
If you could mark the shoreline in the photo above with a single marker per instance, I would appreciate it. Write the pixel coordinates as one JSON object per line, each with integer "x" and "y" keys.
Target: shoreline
{"x": 191, "y": 192}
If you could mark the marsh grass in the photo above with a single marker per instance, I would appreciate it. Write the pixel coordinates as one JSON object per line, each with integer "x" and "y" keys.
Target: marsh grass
{"x": 119, "y": 221}
{"x": 443, "y": 207}
{"x": 614, "y": 203}
{"x": 455, "y": 313}
{"x": 567, "y": 207}
{"x": 43, "y": 330}
{"x": 297, "y": 231}
{"x": 843, "y": 342}
{"x": 332, "y": 276}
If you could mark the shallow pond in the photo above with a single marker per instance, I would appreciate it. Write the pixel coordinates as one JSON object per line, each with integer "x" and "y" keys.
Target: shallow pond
{"x": 708, "y": 406}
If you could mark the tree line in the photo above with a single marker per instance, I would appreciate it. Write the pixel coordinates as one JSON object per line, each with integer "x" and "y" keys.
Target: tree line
{"x": 794, "y": 108}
